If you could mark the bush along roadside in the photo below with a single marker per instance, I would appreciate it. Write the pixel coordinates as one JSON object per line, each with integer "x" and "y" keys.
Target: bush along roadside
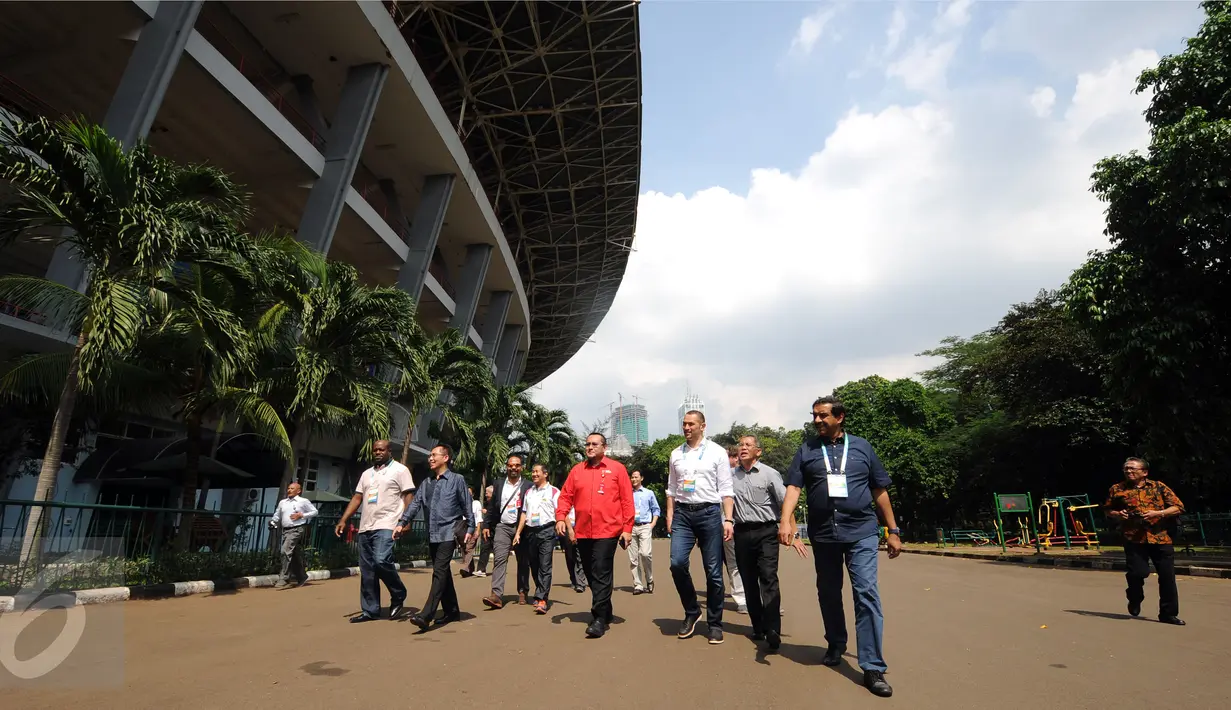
{"x": 170, "y": 567}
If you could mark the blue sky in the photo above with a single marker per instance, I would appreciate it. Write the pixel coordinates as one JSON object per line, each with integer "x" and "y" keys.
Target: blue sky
{"x": 848, "y": 183}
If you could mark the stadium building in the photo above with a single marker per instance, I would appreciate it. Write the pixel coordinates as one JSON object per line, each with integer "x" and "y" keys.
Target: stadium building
{"x": 483, "y": 156}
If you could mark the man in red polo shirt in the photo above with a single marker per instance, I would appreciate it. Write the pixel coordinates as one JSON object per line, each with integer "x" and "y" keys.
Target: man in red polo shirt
{"x": 600, "y": 490}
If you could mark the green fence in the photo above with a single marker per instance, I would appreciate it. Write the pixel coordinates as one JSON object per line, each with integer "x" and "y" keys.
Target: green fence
{"x": 91, "y": 546}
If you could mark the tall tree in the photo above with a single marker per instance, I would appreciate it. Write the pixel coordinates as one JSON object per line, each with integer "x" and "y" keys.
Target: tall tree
{"x": 1154, "y": 300}
{"x": 130, "y": 216}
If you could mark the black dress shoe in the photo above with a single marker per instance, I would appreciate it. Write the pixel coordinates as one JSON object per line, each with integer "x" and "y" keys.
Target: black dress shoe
{"x": 1173, "y": 620}
{"x": 449, "y": 618}
{"x": 774, "y": 639}
{"x": 1134, "y": 608}
{"x": 596, "y": 629}
{"x": 757, "y": 636}
{"x": 833, "y": 656}
{"x": 362, "y": 618}
{"x": 395, "y": 609}
{"x": 419, "y": 621}
{"x": 875, "y": 682}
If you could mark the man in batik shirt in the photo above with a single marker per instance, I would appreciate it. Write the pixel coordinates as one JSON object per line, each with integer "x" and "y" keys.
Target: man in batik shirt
{"x": 1147, "y": 510}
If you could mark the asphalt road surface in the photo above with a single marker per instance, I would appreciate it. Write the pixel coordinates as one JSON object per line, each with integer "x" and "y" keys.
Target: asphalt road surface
{"x": 958, "y": 634}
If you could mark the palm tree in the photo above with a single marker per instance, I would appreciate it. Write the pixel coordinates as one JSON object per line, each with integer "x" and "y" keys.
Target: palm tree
{"x": 548, "y": 434}
{"x": 131, "y": 217}
{"x": 333, "y": 352}
{"x": 434, "y": 364}
{"x": 491, "y": 424}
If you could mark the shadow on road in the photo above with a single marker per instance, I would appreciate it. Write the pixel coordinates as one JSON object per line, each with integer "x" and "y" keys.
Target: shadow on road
{"x": 1100, "y": 614}
{"x": 582, "y": 617}
{"x": 321, "y": 668}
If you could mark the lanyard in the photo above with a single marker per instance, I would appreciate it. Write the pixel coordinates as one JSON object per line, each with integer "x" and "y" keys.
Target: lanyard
{"x": 846, "y": 449}
{"x": 700, "y": 457}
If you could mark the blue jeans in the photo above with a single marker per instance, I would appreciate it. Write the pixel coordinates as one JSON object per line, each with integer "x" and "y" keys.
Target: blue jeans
{"x": 702, "y": 528}
{"x": 860, "y": 559}
{"x": 376, "y": 566}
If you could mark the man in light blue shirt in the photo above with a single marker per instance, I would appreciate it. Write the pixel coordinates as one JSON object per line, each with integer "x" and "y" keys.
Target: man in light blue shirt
{"x": 640, "y": 549}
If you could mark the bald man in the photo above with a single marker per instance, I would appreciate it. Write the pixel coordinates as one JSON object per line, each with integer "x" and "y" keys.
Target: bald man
{"x": 383, "y": 492}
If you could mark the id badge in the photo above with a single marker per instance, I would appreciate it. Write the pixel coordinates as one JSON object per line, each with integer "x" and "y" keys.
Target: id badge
{"x": 373, "y": 495}
{"x": 837, "y": 485}
{"x": 689, "y": 485}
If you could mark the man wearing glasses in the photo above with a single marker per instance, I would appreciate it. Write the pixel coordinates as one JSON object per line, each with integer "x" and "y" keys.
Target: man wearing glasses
{"x": 601, "y": 492}
{"x": 1146, "y": 510}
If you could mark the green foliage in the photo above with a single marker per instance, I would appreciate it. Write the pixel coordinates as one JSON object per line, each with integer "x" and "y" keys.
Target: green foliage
{"x": 1154, "y": 301}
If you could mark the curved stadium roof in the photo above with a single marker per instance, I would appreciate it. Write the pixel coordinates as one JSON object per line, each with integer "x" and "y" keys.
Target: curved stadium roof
{"x": 546, "y": 97}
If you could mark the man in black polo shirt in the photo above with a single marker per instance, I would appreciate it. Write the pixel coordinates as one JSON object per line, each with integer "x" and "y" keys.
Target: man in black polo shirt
{"x": 846, "y": 486}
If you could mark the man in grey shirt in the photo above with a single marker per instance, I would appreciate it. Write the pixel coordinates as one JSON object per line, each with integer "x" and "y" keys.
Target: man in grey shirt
{"x": 758, "y": 504}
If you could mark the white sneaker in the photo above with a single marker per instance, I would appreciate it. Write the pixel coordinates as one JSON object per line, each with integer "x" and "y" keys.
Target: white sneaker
{"x": 480, "y": 573}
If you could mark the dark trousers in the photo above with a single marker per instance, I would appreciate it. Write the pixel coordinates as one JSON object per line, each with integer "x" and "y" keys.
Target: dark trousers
{"x": 598, "y": 561}
{"x": 699, "y": 527}
{"x": 756, "y": 555}
{"x": 442, "y": 593}
{"x": 1137, "y": 557}
{"x": 376, "y": 566}
{"x": 540, "y": 545}
{"x": 576, "y": 575}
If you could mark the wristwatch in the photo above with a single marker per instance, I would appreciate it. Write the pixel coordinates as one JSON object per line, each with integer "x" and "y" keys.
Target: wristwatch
{"x": 895, "y": 531}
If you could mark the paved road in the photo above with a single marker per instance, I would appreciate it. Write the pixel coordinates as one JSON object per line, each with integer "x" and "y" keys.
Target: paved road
{"x": 959, "y": 634}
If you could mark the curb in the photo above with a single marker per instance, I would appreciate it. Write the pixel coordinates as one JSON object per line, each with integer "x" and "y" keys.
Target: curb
{"x": 1072, "y": 563}
{"x": 82, "y": 597}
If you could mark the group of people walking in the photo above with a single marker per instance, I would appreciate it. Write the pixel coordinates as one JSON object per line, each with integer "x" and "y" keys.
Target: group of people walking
{"x": 728, "y": 503}
{"x": 737, "y": 510}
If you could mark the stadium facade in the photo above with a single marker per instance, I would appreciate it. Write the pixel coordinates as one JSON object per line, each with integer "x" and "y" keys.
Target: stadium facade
{"x": 482, "y": 156}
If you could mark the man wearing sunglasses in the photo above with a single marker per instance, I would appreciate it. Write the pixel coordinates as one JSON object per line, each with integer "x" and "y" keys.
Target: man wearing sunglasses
{"x": 600, "y": 490}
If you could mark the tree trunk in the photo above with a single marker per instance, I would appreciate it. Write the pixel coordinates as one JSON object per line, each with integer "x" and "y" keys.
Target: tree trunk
{"x": 288, "y": 473}
{"x": 192, "y": 472}
{"x": 410, "y": 432}
{"x": 45, "y": 489}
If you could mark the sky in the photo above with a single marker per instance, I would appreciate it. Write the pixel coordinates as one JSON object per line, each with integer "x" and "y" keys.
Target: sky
{"x": 829, "y": 189}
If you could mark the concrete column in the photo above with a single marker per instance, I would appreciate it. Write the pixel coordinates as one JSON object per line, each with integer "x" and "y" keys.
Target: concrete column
{"x": 470, "y": 287}
{"x": 425, "y": 232}
{"x": 136, "y": 102}
{"x": 493, "y": 321}
{"x": 510, "y": 337}
{"x": 519, "y": 367}
{"x": 360, "y": 95}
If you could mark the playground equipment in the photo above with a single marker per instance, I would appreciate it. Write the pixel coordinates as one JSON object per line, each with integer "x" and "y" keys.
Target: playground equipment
{"x": 1063, "y": 509}
{"x": 1016, "y": 504}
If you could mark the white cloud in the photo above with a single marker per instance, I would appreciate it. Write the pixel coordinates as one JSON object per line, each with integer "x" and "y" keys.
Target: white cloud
{"x": 1042, "y": 101}
{"x": 924, "y": 66}
{"x": 811, "y": 29}
{"x": 953, "y": 16}
{"x": 897, "y": 27}
{"x": 913, "y": 221}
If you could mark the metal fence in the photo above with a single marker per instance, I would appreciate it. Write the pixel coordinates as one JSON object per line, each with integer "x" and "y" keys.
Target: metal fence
{"x": 142, "y": 545}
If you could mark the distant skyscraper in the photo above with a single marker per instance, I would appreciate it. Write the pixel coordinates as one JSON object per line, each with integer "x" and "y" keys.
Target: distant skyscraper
{"x": 632, "y": 422}
{"x": 691, "y": 402}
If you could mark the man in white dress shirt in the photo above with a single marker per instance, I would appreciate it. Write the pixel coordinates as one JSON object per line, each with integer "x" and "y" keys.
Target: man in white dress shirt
{"x": 292, "y": 514}
{"x": 700, "y": 506}
{"x": 383, "y": 492}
